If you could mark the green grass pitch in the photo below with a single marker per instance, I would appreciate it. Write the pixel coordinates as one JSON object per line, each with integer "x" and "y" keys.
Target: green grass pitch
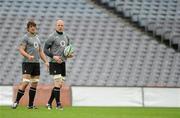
{"x": 90, "y": 112}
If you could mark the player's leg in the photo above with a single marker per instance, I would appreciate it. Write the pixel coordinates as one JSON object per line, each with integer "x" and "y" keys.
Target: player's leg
{"x": 21, "y": 90}
{"x": 32, "y": 91}
{"x": 49, "y": 104}
{"x": 51, "y": 70}
{"x": 58, "y": 83}
{"x": 55, "y": 93}
{"x": 56, "y": 70}
{"x": 26, "y": 71}
{"x": 35, "y": 75}
{"x": 59, "y": 79}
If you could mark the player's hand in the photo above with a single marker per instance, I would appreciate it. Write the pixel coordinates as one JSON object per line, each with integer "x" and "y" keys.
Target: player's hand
{"x": 69, "y": 56}
{"x": 57, "y": 59}
{"x": 30, "y": 58}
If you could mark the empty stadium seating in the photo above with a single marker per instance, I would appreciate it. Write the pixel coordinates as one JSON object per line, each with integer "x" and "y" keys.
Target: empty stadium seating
{"x": 162, "y": 17}
{"x": 108, "y": 51}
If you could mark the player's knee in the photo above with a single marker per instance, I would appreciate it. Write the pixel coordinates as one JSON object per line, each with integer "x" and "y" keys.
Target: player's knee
{"x": 34, "y": 84}
{"x": 58, "y": 84}
{"x": 58, "y": 80}
{"x": 23, "y": 85}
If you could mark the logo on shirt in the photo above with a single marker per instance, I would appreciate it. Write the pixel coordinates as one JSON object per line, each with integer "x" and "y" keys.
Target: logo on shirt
{"x": 36, "y": 45}
{"x": 62, "y": 43}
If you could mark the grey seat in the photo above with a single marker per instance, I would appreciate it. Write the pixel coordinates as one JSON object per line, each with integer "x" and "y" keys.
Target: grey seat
{"x": 108, "y": 52}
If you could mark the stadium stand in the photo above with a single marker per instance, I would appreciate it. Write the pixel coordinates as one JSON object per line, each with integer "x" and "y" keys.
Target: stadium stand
{"x": 108, "y": 50}
{"x": 162, "y": 17}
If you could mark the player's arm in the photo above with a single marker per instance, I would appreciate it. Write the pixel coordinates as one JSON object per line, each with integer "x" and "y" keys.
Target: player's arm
{"x": 43, "y": 56}
{"x": 47, "y": 51}
{"x": 24, "y": 53}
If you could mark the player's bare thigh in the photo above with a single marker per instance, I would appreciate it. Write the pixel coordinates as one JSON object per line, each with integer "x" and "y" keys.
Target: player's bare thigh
{"x": 58, "y": 80}
{"x": 25, "y": 81}
{"x": 27, "y": 78}
{"x": 34, "y": 80}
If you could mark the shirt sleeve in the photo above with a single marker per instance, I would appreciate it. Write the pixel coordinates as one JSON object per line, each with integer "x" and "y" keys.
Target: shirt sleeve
{"x": 69, "y": 40}
{"x": 23, "y": 41}
{"x": 47, "y": 46}
{"x": 40, "y": 43}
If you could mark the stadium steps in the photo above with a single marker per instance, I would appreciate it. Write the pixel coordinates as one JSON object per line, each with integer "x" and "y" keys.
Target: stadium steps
{"x": 109, "y": 50}
{"x": 159, "y": 18}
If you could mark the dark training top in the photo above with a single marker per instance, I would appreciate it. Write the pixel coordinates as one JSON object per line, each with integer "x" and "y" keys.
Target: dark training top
{"x": 32, "y": 46}
{"x": 55, "y": 44}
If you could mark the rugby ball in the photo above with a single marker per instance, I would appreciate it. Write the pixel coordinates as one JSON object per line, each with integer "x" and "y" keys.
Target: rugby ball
{"x": 68, "y": 50}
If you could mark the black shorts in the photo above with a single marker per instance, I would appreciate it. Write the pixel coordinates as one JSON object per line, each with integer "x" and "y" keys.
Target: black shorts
{"x": 56, "y": 68}
{"x": 31, "y": 68}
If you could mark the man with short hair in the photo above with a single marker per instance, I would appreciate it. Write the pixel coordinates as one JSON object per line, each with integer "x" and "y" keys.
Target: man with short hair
{"x": 31, "y": 50}
{"x": 54, "y": 48}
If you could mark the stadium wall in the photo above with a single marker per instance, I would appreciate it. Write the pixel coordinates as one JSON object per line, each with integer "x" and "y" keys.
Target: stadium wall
{"x": 101, "y": 96}
{"x": 6, "y": 93}
{"x": 124, "y": 96}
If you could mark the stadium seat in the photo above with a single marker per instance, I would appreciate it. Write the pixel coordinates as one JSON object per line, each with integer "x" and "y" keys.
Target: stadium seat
{"x": 108, "y": 51}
